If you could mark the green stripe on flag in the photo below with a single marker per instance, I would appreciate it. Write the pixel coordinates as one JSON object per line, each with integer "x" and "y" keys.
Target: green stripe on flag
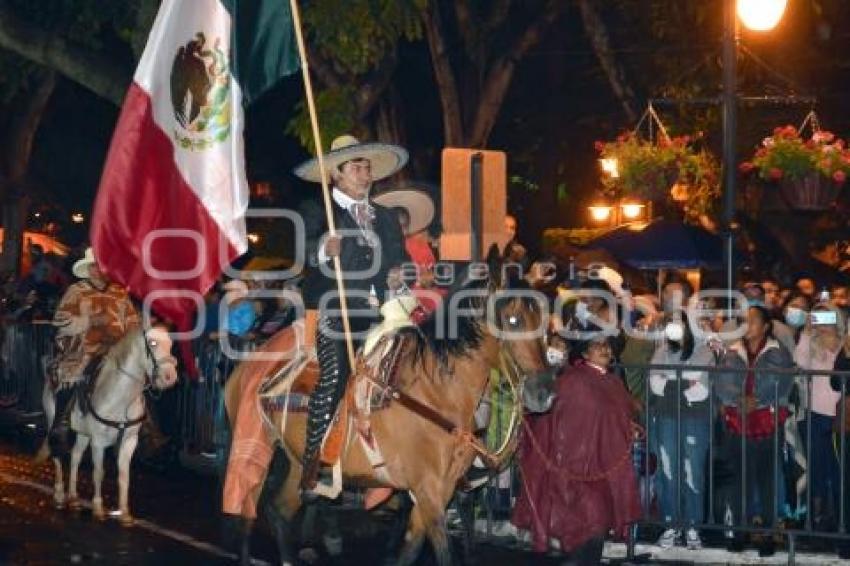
{"x": 263, "y": 44}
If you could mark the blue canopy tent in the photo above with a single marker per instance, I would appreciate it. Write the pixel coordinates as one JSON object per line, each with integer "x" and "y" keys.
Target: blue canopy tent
{"x": 662, "y": 244}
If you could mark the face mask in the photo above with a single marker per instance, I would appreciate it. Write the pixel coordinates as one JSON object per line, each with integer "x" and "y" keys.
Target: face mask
{"x": 674, "y": 331}
{"x": 582, "y": 312}
{"x": 795, "y": 317}
{"x": 554, "y": 356}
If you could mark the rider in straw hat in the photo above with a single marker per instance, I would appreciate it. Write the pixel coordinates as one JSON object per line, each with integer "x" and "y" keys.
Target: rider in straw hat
{"x": 370, "y": 247}
{"x": 93, "y": 315}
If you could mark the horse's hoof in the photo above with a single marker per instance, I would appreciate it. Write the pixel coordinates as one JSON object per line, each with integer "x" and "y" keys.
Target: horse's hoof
{"x": 75, "y": 504}
{"x": 126, "y": 520}
{"x": 98, "y": 514}
{"x": 58, "y": 504}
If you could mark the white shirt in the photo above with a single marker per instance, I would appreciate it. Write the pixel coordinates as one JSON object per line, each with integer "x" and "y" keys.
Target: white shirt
{"x": 345, "y": 202}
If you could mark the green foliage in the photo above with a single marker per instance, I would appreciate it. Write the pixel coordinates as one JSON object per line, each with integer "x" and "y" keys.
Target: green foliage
{"x": 336, "y": 117}
{"x": 526, "y": 185}
{"x": 357, "y": 34}
{"x": 649, "y": 170}
{"x": 785, "y": 155}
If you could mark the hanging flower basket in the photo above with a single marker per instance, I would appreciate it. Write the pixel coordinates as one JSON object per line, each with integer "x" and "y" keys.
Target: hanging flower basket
{"x": 660, "y": 168}
{"x": 809, "y": 173}
{"x": 812, "y": 192}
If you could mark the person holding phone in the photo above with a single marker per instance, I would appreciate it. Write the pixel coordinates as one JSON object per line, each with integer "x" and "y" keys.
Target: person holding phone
{"x": 819, "y": 345}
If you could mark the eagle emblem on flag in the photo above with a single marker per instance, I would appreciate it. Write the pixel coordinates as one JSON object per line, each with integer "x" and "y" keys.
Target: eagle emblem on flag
{"x": 200, "y": 94}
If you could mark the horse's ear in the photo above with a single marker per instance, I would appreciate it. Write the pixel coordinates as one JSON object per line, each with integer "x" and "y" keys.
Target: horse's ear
{"x": 494, "y": 265}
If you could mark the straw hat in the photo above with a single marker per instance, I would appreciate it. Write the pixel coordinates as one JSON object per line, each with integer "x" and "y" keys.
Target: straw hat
{"x": 417, "y": 203}
{"x": 81, "y": 266}
{"x": 385, "y": 159}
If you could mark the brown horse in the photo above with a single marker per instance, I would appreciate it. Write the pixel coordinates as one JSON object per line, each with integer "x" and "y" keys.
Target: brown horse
{"x": 447, "y": 372}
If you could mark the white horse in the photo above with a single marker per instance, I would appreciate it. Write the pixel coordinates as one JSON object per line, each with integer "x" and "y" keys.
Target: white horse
{"x": 116, "y": 410}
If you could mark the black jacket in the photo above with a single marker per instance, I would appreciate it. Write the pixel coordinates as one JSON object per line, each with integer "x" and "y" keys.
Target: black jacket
{"x": 355, "y": 255}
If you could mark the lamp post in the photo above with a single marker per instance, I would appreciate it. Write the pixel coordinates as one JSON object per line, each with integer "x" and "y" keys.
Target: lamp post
{"x": 757, "y": 15}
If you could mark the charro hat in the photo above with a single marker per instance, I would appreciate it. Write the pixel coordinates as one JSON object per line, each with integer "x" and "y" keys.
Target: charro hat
{"x": 81, "y": 266}
{"x": 385, "y": 159}
{"x": 417, "y": 203}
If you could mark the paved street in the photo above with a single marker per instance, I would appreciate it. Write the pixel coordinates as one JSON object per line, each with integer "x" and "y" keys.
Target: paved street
{"x": 178, "y": 523}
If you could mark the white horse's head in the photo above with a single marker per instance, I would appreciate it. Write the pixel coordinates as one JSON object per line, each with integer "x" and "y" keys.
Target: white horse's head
{"x": 161, "y": 366}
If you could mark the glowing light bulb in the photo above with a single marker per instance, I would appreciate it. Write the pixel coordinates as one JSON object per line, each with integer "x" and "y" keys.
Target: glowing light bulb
{"x": 761, "y": 15}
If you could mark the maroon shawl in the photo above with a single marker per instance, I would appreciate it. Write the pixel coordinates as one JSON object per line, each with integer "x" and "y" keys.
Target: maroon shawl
{"x": 578, "y": 481}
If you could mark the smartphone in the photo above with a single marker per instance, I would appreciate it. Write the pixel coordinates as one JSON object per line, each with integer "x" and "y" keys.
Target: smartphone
{"x": 824, "y": 317}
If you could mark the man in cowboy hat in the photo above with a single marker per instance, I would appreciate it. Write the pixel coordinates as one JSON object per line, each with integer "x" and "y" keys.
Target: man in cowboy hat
{"x": 370, "y": 248}
{"x": 93, "y": 315}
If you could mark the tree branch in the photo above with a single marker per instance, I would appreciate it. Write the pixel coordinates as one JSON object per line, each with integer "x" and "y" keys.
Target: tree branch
{"x": 598, "y": 35}
{"x": 443, "y": 74}
{"x": 323, "y": 69}
{"x": 463, "y": 14}
{"x": 25, "y": 124}
{"x": 501, "y": 73}
{"x": 374, "y": 86}
{"x": 145, "y": 16}
{"x": 498, "y": 14}
{"x": 95, "y": 71}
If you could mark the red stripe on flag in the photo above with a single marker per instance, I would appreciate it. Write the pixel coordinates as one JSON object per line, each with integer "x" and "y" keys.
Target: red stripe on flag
{"x": 142, "y": 190}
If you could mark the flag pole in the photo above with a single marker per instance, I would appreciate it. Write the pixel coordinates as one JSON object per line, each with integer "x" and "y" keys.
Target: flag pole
{"x": 326, "y": 194}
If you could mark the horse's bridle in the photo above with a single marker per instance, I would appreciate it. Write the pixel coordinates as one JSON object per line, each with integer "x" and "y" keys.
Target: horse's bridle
{"x": 148, "y": 382}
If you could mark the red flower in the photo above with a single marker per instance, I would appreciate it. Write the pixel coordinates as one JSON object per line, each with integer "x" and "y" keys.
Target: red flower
{"x": 811, "y": 144}
{"x": 761, "y": 152}
{"x": 775, "y": 173}
{"x": 746, "y": 167}
{"x": 599, "y": 146}
{"x": 839, "y": 177}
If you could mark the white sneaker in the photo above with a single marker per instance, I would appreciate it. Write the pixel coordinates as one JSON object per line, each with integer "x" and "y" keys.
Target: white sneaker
{"x": 503, "y": 529}
{"x": 668, "y": 538}
{"x": 692, "y": 540}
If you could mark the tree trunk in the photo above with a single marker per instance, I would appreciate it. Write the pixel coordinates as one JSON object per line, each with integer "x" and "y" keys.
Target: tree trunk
{"x": 444, "y": 76}
{"x": 18, "y": 150}
{"x": 598, "y": 35}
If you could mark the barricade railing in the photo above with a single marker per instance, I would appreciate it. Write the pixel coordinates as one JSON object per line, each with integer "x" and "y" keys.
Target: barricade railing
{"x": 732, "y": 497}
{"x": 24, "y": 349}
{"x": 200, "y": 425}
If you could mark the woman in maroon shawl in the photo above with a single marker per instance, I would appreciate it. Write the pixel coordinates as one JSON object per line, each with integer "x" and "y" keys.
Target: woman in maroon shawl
{"x": 577, "y": 476}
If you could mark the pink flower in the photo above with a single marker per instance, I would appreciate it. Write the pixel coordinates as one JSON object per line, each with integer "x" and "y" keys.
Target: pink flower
{"x": 746, "y": 167}
{"x": 775, "y": 173}
{"x": 761, "y": 152}
{"x": 839, "y": 177}
{"x": 599, "y": 146}
{"x": 823, "y": 137}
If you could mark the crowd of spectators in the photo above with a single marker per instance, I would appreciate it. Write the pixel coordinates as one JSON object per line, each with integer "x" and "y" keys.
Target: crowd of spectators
{"x": 765, "y": 398}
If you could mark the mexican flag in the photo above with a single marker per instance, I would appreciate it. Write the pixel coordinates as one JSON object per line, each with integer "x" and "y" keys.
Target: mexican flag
{"x": 170, "y": 210}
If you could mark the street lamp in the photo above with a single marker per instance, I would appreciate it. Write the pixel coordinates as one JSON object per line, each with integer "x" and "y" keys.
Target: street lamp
{"x": 757, "y": 15}
{"x": 761, "y": 15}
{"x": 609, "y": 165}
{"x": 632, "y": 210}
{"x": 600, "y": 212}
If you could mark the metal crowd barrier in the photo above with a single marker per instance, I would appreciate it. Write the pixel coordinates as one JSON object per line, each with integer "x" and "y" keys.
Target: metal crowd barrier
{"x": 495, "y": 500}
{"x": 23, "y": 351}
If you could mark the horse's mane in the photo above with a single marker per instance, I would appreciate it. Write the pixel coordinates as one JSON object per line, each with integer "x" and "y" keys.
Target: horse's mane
{"x": 439, "y": 336}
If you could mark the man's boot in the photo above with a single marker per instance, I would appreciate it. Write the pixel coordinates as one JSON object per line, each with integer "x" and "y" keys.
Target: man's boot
{"x": 58, "y": 438}
{"x": 323, "y": 400}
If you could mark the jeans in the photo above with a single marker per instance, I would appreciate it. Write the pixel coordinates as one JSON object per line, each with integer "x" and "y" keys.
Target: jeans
{"x": 823, "y": 471}
{"x": 693, "y": 453}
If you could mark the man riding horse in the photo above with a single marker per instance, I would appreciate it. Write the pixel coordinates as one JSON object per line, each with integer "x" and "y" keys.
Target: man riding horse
{"x": 370, "y": 248}
{"x": 93, "y": 315}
